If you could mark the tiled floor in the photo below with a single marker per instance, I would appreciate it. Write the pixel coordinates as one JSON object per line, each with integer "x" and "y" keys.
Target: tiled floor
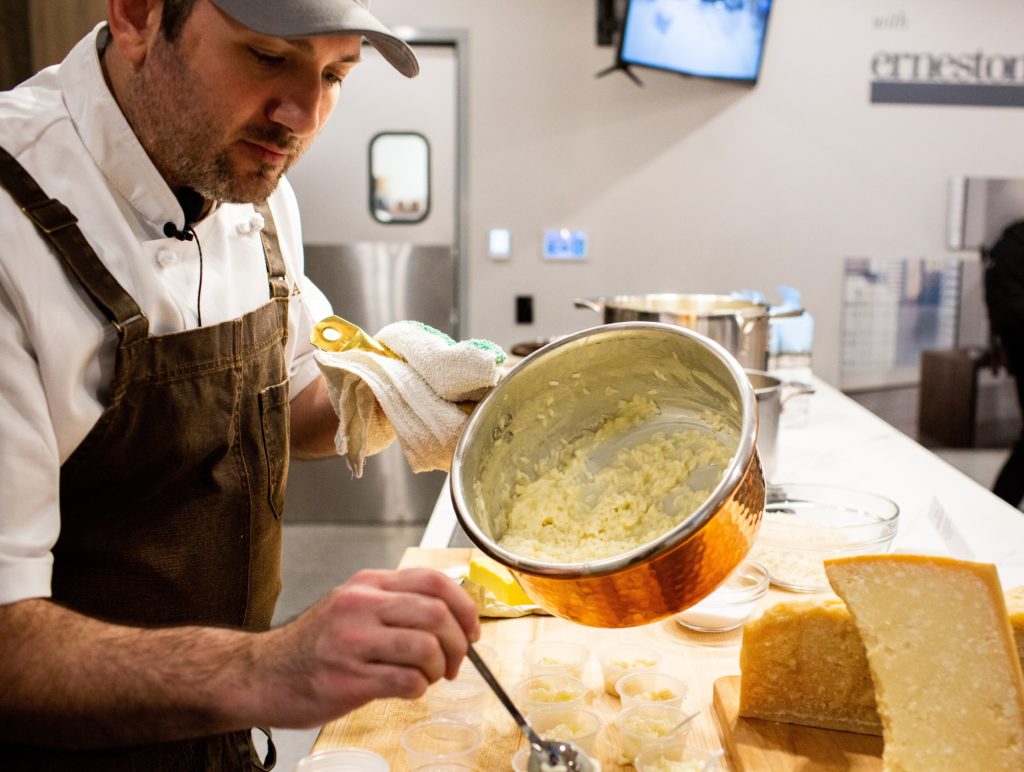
{"x": 318, "y": 556}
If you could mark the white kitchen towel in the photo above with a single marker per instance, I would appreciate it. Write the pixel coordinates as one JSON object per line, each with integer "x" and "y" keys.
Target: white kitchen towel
{"x": 378, "y": 398}
{"x": 456, "y": 371}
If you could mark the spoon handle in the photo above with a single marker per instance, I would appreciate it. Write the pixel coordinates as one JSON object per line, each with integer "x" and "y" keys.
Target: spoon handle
{"x": 488, "y": 676}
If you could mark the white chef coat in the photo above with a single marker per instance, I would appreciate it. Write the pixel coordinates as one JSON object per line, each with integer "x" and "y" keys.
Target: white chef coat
{"x": 56, "y": 348}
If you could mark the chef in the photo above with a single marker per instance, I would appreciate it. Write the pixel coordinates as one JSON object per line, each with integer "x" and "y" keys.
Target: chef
{"x": 156, "y": 374}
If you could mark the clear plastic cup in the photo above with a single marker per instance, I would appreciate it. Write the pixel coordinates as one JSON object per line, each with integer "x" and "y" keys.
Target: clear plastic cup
{"x": 546, "y": 657}
{"x": 543, "y": 691}
{"x": 441, "y": 742}
{"x": 650, "y": 726}
{"x": 487, "y": 654}
{"x": 343, "y": 760}
{"x": 626, "y": 658}
{"x": 679, "y": 760}
{"x": 572, "y": 724}
{"x": 651, "y": 687}
{"x": 462, "y": 699}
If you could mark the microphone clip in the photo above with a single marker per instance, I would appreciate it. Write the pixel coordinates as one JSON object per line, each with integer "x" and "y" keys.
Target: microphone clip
{"x": 171, "y": 231}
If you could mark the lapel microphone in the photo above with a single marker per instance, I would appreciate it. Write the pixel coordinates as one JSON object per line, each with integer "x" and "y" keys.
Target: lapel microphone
{"x": 183, "y": 235}
{"x": 192, "y": 206}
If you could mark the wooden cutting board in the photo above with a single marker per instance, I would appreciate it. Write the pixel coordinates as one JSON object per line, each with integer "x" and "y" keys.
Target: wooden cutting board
{"x": 697, "y": 658}
{"x": 755, "y": 745}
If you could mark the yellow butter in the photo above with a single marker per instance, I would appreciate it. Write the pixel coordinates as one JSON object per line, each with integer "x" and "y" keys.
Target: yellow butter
{"x": 489, "y": 573}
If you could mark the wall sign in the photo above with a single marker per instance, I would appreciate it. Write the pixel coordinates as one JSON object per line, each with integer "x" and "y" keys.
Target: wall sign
{"x": 942, "y": 78}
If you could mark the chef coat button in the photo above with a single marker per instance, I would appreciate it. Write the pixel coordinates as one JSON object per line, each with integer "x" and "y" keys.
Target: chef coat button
{"x": 165, "y": 257}
{"x": 253, "y": 225}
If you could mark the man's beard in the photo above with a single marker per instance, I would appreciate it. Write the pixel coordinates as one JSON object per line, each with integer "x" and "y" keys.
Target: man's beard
{"x": 178, "y": 128}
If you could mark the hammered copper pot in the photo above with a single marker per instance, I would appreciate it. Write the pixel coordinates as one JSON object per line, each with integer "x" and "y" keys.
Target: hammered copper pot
{"x": 563, "y": 391}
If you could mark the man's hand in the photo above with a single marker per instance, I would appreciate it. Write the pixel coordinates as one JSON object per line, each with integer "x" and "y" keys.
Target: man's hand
{"x": 381, "y": 634}
{"x": 70, "y": 681}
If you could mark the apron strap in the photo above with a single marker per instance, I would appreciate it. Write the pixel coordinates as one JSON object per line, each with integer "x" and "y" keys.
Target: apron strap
{"x": 270, "y": 759}
{"x": 57, "y": 224}
{"x": 276, "y": 271}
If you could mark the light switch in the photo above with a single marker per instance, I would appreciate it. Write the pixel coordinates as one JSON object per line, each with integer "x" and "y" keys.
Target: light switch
{"x": 499, "y": 243}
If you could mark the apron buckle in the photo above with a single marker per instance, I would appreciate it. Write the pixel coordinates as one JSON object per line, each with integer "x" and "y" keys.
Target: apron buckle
{"x": 131, "y": 327}
{"x": 50, "y": 216}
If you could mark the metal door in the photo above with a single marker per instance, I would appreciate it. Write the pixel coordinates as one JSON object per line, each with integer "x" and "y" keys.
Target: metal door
{"x": 377, "y": 272}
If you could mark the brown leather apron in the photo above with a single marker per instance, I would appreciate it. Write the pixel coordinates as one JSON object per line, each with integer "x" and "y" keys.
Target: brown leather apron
{"x": 171, "y": 506}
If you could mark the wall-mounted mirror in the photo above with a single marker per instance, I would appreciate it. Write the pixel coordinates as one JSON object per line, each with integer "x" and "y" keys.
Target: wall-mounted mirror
{"x": 399, "y": 177}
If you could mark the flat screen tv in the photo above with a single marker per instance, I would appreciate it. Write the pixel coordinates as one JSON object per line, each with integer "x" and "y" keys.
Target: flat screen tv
{"x": 704, "y": 38}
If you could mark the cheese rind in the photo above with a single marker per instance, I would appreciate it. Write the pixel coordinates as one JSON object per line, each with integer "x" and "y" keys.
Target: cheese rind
{"x": 947, "y": 677}
{"x": 802, "y": 662}
{"x": 1015, "y": 606}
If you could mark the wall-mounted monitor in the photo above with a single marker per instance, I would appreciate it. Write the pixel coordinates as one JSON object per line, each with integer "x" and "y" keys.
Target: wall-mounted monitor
{"x": 704, "y": 38}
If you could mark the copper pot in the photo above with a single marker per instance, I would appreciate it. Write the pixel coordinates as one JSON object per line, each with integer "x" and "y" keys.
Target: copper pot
{"x": 557, "y": 394}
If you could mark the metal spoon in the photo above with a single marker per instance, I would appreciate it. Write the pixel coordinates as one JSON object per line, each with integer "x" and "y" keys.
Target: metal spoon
{"x": 556, "y": 754}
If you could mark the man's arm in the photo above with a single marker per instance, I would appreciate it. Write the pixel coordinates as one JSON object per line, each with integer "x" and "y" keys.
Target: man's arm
{"x": 313, "y": 422}
{"x": 70, "y": 681}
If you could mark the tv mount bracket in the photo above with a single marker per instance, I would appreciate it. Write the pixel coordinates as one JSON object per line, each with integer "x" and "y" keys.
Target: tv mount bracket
{"x": 620, "y": 65}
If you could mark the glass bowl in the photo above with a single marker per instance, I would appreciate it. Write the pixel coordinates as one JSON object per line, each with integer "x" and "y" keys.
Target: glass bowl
{"x": 651, "y": 687}
{"x": 649, "y": 726}
{"x": 572, "y": 724}
{"x": 546, "y": 657}
{"x": 731, "y": 604}
{"x": 804, "y": 525}
{"x": 543, "y": 691}
{"x": 440, "y": 742}
{"x": 623, "y": 659}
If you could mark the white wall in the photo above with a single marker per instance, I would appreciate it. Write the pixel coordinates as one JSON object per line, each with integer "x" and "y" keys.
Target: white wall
{"x": 687, "y": 185}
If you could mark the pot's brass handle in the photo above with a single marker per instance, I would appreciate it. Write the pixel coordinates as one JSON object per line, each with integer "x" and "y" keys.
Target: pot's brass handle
{"x": 336, "y": 334}
{"x": 589, "y": 304}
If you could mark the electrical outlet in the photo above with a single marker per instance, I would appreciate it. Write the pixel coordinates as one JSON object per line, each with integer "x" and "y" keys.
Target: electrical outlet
{"x": 524, "y": 309}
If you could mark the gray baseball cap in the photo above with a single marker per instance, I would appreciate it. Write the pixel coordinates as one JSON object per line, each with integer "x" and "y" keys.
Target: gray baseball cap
{"x": 307, "y": 18}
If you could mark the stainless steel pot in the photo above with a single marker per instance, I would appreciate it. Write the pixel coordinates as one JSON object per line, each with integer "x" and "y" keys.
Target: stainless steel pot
{"x": 741, "y": 326}
{"x": 561, "y": 392}
{"x": 771, "y": 394}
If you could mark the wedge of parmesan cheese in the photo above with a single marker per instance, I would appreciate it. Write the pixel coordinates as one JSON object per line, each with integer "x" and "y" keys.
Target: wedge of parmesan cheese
{"x": 802, "y": 662}
{"x": 940, "y": 649}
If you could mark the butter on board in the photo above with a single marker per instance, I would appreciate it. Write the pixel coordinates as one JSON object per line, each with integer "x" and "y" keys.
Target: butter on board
{"x": 489, "y": 573}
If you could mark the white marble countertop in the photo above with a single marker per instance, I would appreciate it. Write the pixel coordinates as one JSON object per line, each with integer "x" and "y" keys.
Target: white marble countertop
{"x": 942, "y": 511}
